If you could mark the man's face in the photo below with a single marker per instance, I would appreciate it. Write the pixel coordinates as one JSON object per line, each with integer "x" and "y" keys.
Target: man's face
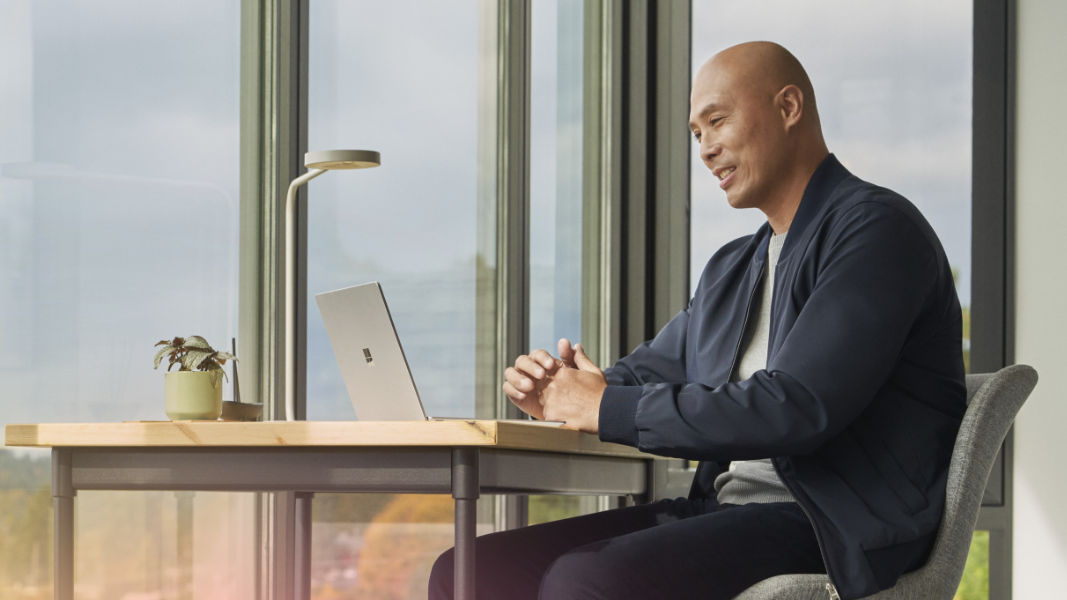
{"x": 741, "y": 134}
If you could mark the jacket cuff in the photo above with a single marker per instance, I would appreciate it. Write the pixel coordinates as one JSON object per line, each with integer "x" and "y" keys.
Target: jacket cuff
{"x": 618, "y": 414}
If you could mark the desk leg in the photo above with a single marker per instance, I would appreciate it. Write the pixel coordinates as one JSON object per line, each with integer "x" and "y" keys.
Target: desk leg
{"x": 465, "y": 490}
{"x": 302, "y": 547}
{"x": 63, "y": 504}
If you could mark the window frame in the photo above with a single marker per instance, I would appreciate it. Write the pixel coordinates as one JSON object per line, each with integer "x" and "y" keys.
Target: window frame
{"x": 993, "y": 252}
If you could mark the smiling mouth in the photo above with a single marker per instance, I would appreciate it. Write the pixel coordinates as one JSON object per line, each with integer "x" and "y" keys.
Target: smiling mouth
{"x": 726, "y": 173}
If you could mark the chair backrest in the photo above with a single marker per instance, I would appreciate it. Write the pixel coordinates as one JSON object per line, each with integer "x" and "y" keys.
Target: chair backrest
{"x": 993, "y": 401}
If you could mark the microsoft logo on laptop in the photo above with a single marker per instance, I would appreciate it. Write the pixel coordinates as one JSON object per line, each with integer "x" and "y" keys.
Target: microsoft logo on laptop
{"x": 366, "y": 354}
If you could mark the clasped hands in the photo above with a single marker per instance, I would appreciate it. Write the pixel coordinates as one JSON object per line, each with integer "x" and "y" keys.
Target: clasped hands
{"x": 567, "y": 388}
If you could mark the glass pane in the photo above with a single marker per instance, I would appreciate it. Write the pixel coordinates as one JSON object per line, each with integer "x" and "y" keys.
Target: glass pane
{"x": 544, "y": 509}
{"x": 378, "y": 545}
{"x": 556, "y": 110}
{"x": 556, "y": 173}
{"x": 975, "y": 582}
{"x": 118, "y": 228}
{"x": 134, "y": 545}
{"x": 400, "y": 78}
{"x": 893, "y": 82}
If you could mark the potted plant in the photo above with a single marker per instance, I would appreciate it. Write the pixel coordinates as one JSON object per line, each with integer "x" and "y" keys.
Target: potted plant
{"x": 194, "y": 391}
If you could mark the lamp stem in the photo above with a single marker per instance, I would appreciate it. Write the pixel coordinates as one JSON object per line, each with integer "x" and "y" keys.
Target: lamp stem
{"x": 290, "y": 291}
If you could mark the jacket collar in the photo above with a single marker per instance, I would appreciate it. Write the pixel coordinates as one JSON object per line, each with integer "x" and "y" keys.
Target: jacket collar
{"x": 824, "y": 180}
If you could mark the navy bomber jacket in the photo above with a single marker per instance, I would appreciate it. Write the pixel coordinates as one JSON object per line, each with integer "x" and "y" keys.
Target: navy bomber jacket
{"x": 863, "y": 393}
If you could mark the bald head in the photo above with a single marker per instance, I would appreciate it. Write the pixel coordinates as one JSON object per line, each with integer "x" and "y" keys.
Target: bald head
{"x": 753, "y": 113}
{"x": 762, "y": 68}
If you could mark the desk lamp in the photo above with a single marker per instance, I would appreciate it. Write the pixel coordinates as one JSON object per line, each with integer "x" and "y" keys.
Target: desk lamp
{"x": 317, "y": 164}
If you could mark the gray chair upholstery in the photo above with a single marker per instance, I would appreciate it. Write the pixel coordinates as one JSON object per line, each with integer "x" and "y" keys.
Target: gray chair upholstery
{"x": 993, "y": 401}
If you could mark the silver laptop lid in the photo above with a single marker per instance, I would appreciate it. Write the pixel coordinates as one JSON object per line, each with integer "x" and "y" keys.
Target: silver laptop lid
{"x": 368, "y": 351}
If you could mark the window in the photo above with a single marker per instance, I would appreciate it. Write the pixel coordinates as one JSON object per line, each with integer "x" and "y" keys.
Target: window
{"x": 118, "y": 228}
{"x": 557, "y": 170}
{"x": 401, "y": 78}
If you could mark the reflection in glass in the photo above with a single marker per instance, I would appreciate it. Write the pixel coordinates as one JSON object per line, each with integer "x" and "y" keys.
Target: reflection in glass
{"x": 118, "y": 228}
{"x": 893, "y": 82}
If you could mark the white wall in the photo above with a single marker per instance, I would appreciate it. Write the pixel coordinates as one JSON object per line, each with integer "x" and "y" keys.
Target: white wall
{"x": 1040, "y": 561}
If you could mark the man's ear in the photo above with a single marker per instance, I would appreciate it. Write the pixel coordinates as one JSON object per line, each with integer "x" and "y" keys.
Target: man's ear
{"x": 790, "y": 105}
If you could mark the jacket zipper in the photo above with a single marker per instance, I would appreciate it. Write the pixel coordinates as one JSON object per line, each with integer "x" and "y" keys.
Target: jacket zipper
{"x": 830, "y": 588}
{"x": 744, "y": 324}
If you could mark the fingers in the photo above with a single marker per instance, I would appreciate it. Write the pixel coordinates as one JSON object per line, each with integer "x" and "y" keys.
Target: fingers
{"x": 519, "y": 398}
{"x": 542, "y": 358}
{"x": 582, "y": 361}
{"x": 525, "y": 402}
{"x": 511, "y": 392}
{"x": 519, "y": 381}
{"x": 531, "y": 368}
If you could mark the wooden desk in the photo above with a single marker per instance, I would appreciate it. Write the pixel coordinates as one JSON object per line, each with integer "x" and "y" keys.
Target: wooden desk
{"x": 463, "y": 458}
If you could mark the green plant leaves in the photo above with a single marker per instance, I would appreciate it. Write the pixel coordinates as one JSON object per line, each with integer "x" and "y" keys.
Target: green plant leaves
{"x": 195, "y": 341}
{"x": 192, "y": 359}
{"x": 165, "y": 351}
{"x": 194, "y": 354}
{"x": 214, "y": 370}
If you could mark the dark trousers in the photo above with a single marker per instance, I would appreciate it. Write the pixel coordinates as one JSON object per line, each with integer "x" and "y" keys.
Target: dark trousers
{"x": 670, "y": 549}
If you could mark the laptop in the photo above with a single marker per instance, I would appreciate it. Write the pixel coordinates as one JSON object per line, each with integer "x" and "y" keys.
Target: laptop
{"x": 372, "y": 361}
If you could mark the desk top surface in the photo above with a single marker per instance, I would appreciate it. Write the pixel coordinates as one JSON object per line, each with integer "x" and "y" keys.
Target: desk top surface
{"x": 495, "y": 434}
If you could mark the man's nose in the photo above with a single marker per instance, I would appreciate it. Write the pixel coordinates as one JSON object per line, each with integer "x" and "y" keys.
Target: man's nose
{"x": 709, "y": 150}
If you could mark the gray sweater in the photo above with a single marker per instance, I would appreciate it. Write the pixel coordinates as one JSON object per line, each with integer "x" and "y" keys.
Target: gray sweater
{"x": 755, "y": 481}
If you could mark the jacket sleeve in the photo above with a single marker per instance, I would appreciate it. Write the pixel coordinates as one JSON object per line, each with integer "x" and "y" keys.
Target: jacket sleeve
{"x": 659, "y": 360}
{"x": 875, "y": 270}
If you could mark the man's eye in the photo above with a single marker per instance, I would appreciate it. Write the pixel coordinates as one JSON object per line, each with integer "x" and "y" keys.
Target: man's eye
{"x": 716, "y": 121}
{"x": 696, "y": 136}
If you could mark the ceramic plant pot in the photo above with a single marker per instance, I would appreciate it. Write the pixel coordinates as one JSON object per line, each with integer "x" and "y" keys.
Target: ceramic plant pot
{"x": 191, "y": 396}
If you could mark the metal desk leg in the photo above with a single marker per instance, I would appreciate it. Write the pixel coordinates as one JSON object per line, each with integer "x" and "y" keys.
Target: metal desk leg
{"x": 465, "y": 489}
{"x": 63, "y": 504}
{"x": 302, "y": 547}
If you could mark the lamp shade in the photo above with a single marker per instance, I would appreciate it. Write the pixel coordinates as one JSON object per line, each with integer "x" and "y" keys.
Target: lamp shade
{"x": 329, "y": 160}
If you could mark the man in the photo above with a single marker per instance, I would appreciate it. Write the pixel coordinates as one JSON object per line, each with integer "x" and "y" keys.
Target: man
{"x": 817, "y": 373}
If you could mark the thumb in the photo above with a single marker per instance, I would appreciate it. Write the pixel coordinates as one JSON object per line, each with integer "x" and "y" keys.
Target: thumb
{"x": 582, "y": 361}
{"x": 566, "y": 352}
